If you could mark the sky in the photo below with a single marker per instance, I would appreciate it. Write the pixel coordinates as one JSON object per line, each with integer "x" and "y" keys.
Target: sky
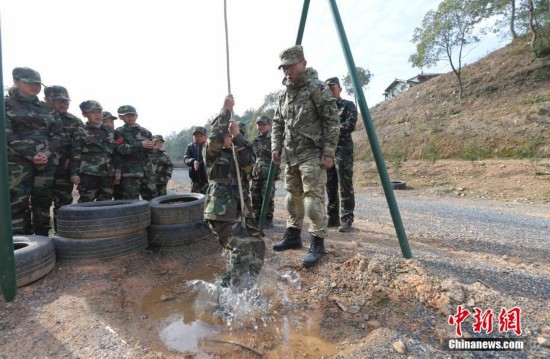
{"x": 168, "y": 58}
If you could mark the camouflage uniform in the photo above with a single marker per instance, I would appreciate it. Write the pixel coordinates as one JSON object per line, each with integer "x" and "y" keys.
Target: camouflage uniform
{"x": 306, "y": 126}
{"x": 32, "y": 126}
{"x": 162, "y": 166}
{"x": 108, "y": 121}
{"x": 340, "y": 193}
{"x": 262, "y": 151}
{"x": 138, "y": 176}
{"x": 223, "y": 208}
{"x": 194, "y": 152}
{"x": 92, "y": 161}
{"x": 63, "y": 187}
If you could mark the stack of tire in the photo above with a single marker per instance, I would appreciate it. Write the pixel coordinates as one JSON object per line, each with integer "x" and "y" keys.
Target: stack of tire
{"x": 34, "y": 258}
{"x": 176, "y": 220}
{"x": 101, "y": 230}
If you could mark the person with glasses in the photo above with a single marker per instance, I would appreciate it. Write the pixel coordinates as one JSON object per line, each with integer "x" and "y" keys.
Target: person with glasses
{"x": 62, "y": 191}
{"x": 306, "y": 125}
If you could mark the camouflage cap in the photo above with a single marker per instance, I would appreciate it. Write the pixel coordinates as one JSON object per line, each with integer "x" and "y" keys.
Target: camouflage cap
{"x": 291, "y": 56}
{"x": 158, "y": 138}
{"x": 242, "y": 128}
{"x": 263, "y": 119}
{"x": 57, "y": 93}
{"x": 90, "y": 105}
{"x": 27, "y": 75}
{"x": 199, "y": 129}
{"x": 333, "y": 81}
{"x": 107, "y": 115}
{"x": 126, "y": 109}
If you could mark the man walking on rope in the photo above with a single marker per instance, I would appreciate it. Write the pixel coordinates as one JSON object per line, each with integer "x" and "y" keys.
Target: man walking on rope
{"x": 341, "y": 197}
{"x": 222, "y": 209}
{"x": 307, "y": 126}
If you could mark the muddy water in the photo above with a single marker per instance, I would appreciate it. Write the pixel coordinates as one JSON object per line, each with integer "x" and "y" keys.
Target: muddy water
{"x": 195, "y": 316}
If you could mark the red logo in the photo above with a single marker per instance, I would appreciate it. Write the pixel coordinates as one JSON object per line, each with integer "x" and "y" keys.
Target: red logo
{"x": 508, "y": 320}
{"x": 119, "y": 141}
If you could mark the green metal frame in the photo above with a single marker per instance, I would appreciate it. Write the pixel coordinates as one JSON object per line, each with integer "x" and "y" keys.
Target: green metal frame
{"x": 8, "y": 284}
{"x": 369, "y": 127}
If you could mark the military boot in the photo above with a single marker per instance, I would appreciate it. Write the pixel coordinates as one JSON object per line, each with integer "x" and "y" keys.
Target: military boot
{"x": 291, "y": 240}
{"x": 316, "y": 251}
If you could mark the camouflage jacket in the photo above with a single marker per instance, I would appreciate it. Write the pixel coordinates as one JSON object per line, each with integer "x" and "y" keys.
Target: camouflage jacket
{"x": 262, "y": 152}
{"x": 162, "y": 165}
{"x": 135, "y": 161}
{"x": 32, "y": 126}
{"x": 348, "y": 120}
{"x": 71, "y": 124}
{"x": 92, "y": 151}
{"x": 223, "y": 200}
{"x": 306, "y": 120}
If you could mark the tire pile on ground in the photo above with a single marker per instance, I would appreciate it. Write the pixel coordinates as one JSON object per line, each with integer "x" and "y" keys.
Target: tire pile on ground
{"x": 95, "y": 231}
{"x": 177, "y": 219}
{"x": 34, "y": 258}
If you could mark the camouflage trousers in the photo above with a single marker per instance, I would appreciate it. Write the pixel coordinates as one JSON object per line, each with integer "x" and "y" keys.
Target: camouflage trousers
{"x": 341, "y": 197}
{"x": 62, "y": 194}
{"x": 117, "y": 190}
{"x": 199, "y": 187}
{"x": 257, "y": 192}
{"x": 95, "y": 188}
{"x": 133, "y": 187}
{"x": 161, "y": 189}
{"x": 305, "y": 184}
{"x": 246, "y": 252}
{"x": 30, "y": 191}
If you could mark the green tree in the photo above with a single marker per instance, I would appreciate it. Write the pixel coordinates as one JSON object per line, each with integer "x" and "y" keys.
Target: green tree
{"x": 445, "y": 33}
{"x": 364, "y": 78}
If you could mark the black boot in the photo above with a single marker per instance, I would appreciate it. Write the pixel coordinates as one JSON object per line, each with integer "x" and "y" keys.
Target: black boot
{"x": 291, "y": 240}
{"x": 333, "y": 221}
{"x": 316, "y": 251}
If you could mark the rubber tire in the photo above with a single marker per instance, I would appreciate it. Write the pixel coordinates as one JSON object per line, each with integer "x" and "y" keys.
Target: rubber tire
{"x": 398, "y": 185}
{"x": 171, "y": 235}
{"x": 34, "y": 258}
{"x": 169, "y": 209}
{"x": 99, "y": 249}
{"x": 103, "y": 219}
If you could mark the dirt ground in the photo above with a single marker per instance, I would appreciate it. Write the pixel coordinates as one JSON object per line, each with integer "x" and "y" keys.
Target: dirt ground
{"x": 360, "y": 302}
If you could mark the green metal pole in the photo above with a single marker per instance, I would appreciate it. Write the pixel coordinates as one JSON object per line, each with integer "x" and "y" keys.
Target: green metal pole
{"x": 271, "y": 173}
{"x": 7, "y": 260}
{"x": 369, "y": 127}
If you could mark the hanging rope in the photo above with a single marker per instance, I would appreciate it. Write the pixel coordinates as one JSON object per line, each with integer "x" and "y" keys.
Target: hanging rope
{"x": 237, "y": 168}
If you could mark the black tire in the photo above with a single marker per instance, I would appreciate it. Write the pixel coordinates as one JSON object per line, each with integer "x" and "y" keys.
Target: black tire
{"x": 171, "y": 235}
{"x": 177, "y": 208}
{"x": 103, "y": 219}
{"x": 99, "y": 249}
{"x": 398, "y": 185}
{"x": 34, "y": 258}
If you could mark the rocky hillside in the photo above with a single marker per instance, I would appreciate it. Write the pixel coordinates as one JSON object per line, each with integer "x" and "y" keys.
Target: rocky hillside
{"x": 504, "y": 113}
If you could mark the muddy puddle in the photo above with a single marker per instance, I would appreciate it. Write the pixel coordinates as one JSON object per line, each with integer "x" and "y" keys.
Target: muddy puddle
{"x": 193, "y": 315}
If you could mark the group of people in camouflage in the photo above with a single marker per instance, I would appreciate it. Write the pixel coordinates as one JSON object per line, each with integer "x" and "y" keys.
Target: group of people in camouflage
{"x": 312, "y": 127}
{"x": 50, "y": 151}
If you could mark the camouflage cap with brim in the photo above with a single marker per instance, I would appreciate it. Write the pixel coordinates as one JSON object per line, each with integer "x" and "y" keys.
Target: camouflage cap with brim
{"x": 90, "y": 105}
{"x": 108, "y": 116}
{"x": 158, "y": 138}
{"x": 333, "y": 81}
{"x": 57, "y": 93}
{"x": 27, "y": 75}
{"x": 126, "y": 109}
{"x": 199, "y": 129}
{"x": 291, "y": 56}
{"x": 263, "y": 119}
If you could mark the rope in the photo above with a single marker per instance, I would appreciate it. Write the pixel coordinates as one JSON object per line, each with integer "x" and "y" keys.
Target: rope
{"x": 237, "y": 169}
